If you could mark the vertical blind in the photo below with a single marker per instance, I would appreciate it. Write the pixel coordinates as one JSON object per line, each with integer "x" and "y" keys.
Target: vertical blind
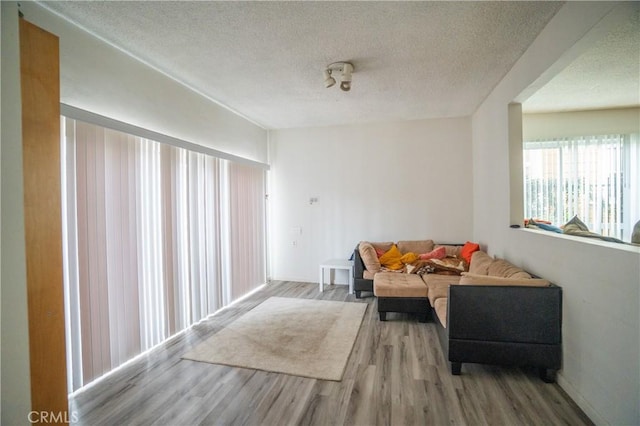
{"x": 156, "y": 237}
{"x": 594, "y": 177}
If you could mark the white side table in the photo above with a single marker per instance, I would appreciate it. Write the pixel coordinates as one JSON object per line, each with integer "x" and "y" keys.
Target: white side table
{"x": 336, "y": 264}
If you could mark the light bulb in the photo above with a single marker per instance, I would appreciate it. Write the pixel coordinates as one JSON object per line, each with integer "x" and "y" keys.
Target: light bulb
{"x": 328, "y": 80}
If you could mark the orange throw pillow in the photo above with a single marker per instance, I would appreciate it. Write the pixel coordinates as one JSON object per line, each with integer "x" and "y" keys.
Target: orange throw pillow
{"x": 467, "y": 250}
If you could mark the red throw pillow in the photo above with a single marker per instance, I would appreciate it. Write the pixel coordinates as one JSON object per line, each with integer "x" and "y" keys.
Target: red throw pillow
{"x": 379, "y": 252}
{"x": 467, "y": 250}
{"x": 437, "y": 253}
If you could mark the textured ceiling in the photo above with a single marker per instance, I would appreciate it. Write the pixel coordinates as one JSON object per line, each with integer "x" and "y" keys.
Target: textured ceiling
{"x": 605, "y": 76}
{"x": 412, "y": 60}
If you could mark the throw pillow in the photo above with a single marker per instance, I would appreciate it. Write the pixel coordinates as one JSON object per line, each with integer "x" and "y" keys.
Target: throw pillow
{"x": 474, "y": 279}
{"x": 546, "y": 226}
{"x": 575, "y": 224}
{"x": 392, "y": 259}
{"x": 468, "y": 249}
{"x": 549, "y": 228}
{"x": 635, "y": 235}
{"x": 409, "y": 258}
{"x": 437, "y": 253}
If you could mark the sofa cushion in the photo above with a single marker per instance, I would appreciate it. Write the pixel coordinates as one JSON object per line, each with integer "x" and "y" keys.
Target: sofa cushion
{"x": 473, "y": 279}
{"x": 433, "y": 280}
{"x": 382, "y": 246}
{"x": 392, "y": 259}
{"x": 368, "y": 275}
{"x": 369, "y": 256}
{"x": 438, "y": 285}
{"x": 441, "y": 310}
{"x": 480, "y": 262}
{"x": 502, "y": 268}
{"x": 418, "y": 246}
{"x": 390, "y": 284}
{"x": 438, "y": 292}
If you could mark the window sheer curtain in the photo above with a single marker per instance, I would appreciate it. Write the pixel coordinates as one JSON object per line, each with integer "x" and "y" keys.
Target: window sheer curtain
{"x": 156, "y": 238}
{"x": 594, "y": 177}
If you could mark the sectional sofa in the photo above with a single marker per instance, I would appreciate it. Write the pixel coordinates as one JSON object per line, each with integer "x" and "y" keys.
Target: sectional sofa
{"x": 493, "y": 312}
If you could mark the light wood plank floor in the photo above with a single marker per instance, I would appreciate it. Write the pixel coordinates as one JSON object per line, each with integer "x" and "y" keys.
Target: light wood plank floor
{"x": 396, "y": 375}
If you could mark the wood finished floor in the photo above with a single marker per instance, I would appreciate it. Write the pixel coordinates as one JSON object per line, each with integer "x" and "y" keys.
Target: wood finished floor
{"x": 396, "y": 375}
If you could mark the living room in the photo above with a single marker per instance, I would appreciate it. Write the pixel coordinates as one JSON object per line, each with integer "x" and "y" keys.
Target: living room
{"x": 359, "y": 174}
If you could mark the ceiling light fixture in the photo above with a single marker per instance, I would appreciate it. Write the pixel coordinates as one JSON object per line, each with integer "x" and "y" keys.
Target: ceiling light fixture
{"x": 346, "y": 68}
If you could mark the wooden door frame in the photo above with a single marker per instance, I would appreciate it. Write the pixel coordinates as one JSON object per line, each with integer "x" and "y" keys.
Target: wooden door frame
{"x": 40, "y": 94}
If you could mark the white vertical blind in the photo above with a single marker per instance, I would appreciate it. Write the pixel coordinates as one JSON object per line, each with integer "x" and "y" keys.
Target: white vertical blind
{"x": 157, "y": 237}
{"x": 594, "y": 177}
{"x": 247, "y": 213}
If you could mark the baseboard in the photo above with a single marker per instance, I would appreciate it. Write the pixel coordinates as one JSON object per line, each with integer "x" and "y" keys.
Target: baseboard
{"x": 306, "y": 281}
{"x": 580, "y": 401}
{"x": 295, "y": 280}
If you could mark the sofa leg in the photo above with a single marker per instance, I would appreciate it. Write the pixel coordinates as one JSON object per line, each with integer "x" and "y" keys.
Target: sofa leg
{"x": 456, "y": 368}
{"x": 383, "y": 316}
{"x": 357, "y": 294}
{"x": 547, "y": 375}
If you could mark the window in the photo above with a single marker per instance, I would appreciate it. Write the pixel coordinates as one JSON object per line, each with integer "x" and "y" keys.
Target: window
{"x": 593, "y": 177}
{"x": 156, "y": 237}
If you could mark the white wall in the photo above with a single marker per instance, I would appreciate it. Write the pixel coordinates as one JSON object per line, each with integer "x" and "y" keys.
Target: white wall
{"x": 99, "y": 78}
{"x": 377, "y": 182}
{"x": 16, "y": 391}
{"x": 580, "y": 123}
{"x": 601, "y": 326}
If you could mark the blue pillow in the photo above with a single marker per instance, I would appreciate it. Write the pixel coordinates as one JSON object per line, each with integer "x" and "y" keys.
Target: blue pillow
{"x": 545, "y": 227}
{"x": 549, "y": 227}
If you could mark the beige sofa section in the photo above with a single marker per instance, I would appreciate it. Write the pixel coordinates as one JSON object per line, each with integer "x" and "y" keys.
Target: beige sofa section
{"x": 483, "y": 270}
{"x": 392, "y": 284}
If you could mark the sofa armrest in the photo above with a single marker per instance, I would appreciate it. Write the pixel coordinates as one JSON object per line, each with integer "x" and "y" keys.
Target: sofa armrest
{"x": 358, "y": 264}
{"x": 505, "y": 314}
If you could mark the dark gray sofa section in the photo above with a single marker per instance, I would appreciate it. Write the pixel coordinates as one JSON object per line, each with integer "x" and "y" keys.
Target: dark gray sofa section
{"x": 504, "y": 325}
{"x": 360, "y": 284}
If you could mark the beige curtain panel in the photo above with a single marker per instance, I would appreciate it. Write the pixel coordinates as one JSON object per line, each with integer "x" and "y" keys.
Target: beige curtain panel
{"x": 157, "y": 237}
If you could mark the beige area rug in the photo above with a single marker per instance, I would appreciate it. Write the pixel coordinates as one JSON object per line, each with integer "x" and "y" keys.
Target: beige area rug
{"x": 301, "y": 337}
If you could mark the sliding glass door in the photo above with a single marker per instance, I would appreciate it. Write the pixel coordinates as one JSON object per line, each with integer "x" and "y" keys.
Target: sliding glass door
{"x": 157, "y": 237}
